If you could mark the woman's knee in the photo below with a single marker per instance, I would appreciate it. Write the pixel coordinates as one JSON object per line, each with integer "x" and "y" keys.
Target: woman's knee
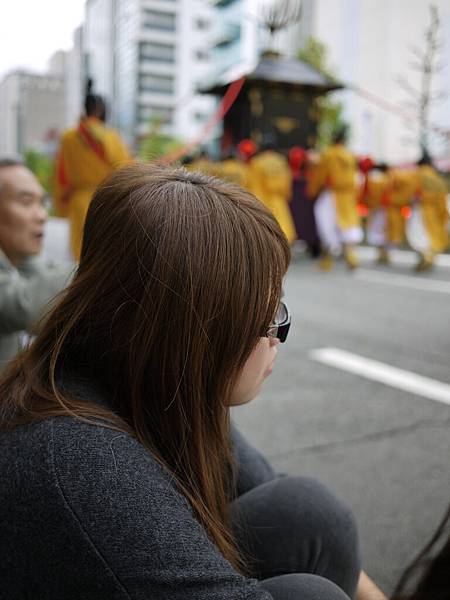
{"x": 328, "y": 528}
{"x": 302, "y": 587}
{"x": 298, "y": 525}
{"x": 303, "y": 504}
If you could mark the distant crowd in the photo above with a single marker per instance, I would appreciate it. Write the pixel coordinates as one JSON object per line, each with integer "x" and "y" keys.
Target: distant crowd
{"x": 333, "y": 201}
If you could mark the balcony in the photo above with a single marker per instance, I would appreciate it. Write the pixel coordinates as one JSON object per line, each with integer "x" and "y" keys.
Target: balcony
{"x": 230, "y": 32}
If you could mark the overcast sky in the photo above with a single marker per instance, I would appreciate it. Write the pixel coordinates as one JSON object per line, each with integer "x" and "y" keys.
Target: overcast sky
{"x": 31, "y": 30}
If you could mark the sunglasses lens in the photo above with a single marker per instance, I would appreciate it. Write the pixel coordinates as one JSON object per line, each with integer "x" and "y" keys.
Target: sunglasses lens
{"x": 283, "y": 331}
{"x": 282, "y": 314}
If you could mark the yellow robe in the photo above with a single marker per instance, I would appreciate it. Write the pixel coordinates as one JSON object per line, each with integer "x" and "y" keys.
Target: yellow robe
{"x": 205, "y": 166}
{"x": 432, "y": 193}
{"x": 336, "y": 170}
{"x": 80, "y": 169}
{"x": 270, "y": 180}
{"x": 234, "y": 170}
{"x": 314, "y": 183}
{"x": 377, "y": 191}
{"x": 402, "y": 189}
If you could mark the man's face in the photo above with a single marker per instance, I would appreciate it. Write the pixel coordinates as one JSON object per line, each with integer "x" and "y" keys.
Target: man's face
{"x": 22, "y": 213}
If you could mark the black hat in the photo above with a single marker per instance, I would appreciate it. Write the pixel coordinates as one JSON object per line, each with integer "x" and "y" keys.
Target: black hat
{"x": 425, "y": 159}
{"x": 341, "y": 135}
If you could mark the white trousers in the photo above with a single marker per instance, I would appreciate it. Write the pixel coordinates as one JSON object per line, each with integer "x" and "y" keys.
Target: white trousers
{"x": 416, "y": 234}
{"x": 331, "y": 235}
{"x": 376, "y": 228}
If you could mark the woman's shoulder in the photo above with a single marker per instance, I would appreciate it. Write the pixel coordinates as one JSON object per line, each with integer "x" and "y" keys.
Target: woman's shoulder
{"x": 78, "y": 457}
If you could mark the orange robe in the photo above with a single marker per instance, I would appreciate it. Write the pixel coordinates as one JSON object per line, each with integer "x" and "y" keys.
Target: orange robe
{"x": 87, "y": 154}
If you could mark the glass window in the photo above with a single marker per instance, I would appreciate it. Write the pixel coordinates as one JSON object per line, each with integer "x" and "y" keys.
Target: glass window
{"x": 200, "y": 117}
{"x": 230, "y": 33}
{"x": 201, "y": 23}
{"x": 151, "y": 51}
{"x": 156, "y": 83}
{"x": 222, "y": 3}
{"x": 202, "y": 55}
{"x": 155, "y": 19}
{"x": 149, "y": 112}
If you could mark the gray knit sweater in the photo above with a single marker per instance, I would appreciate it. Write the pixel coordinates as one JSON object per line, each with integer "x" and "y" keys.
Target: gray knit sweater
{"x": 86, "y": 513}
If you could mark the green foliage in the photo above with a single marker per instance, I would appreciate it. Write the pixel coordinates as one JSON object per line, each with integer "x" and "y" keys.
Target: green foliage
{"x": 156, "y": 144}
{"x": 329, "y": 112}
{"x": 315, "y": 53}
{"x": 42, "y": 166}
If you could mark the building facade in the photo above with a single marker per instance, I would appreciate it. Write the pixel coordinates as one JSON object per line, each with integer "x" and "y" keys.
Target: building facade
{"x": 75, "y": 78}
{"x": 32, "y": 111}
{"x": 147, "y": 57}
{"x": 370, "y": 48}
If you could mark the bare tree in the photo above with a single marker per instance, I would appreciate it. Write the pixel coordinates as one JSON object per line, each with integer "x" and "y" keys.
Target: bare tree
{"x": 427, "y": 62}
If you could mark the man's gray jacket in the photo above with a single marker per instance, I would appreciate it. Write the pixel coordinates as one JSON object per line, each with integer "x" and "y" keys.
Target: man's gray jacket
{"x": 25, "y": 294}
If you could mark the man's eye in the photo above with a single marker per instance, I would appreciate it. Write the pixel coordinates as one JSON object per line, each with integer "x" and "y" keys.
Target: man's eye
{"x": 25, "y": 201}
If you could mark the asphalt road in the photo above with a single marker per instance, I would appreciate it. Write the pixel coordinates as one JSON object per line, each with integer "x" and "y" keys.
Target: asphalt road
{"x": 384, "y": 449}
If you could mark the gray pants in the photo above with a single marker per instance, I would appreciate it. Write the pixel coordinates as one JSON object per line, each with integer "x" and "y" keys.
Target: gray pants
{"x": 301, "y": 541}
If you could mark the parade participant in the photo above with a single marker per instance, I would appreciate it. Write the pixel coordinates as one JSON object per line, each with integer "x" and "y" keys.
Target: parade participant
{"x": 270, "y": 180}
{"x": 233, "y": 169}
{"x": 402, "y": 186}
{"x": 87, "y": 154}
{"x": 301, "y": 204}
{"x": 125, "y": 479}
{"x": 247, "y": 150}
{"x": 427, "y": 229}
{"x": 202, "y": 163}
{"x": 375, "y": 195}
{"x": 26, "y": 283}
{"x": 337, "y": 218}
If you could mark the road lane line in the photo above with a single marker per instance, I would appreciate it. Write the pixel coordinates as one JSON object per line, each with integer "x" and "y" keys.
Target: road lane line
{"x": 378, "y": 371}
{"x": 416, "y": 283}
{"x": 401, "y": 257}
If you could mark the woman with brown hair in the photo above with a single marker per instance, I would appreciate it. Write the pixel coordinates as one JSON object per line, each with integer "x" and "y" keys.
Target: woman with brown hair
{"x": 120, "y": 475}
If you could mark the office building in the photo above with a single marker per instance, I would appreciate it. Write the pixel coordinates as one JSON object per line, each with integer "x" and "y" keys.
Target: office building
{"x": 147, "y": 57}
{"x": 32, "y": 111}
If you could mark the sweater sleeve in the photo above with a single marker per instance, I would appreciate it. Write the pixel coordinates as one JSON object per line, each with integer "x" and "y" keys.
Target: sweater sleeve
{"x": 26, "y": 294}
{"x": 134, "y": 520}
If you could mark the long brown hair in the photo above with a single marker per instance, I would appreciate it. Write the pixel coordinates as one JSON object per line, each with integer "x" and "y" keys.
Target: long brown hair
{"x": 429, "y": 572}
{"x": 180, "y": 274}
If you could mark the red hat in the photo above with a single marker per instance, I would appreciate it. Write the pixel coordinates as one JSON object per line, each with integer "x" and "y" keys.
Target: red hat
{"x": 247, "y": 148}
{"x": 297, "y": 156}
{"x": 366, "y": 164}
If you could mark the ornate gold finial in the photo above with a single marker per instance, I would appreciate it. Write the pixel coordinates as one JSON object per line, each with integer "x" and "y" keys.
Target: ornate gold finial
{"x": 280, "y": 14}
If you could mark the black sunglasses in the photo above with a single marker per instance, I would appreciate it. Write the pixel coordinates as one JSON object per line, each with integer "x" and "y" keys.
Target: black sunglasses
{"x": 280, "y": 327}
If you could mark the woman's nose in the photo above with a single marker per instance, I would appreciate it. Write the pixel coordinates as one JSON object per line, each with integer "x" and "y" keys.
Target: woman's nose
{"x": 274, "y": 341}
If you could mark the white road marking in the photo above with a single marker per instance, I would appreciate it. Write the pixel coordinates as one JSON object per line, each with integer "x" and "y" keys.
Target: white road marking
{"x": 401, "y": 257}
{"x": 416, "y": 283}
{"x": 378, "y": 371}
